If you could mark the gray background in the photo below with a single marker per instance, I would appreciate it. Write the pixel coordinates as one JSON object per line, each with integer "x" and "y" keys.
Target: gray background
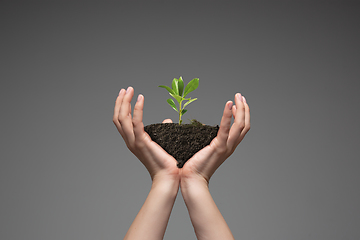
{"x": 65, "y": 171}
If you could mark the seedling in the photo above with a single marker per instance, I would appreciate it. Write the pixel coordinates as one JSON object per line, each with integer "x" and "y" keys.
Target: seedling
{"x": 177, "y": 91}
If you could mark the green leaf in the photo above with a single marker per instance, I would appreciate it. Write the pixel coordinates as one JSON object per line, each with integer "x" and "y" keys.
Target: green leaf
{"x": 181, "y": 86}
{"x": 191, "y": 86}
{"x": 172, "y": 104}
{"x": 167, "y": 88}
{"x": 177, "y": 97}
{"x": 188, "y": 102}
{"x": 183, "y": 111}
{"x": 175, "y": 86}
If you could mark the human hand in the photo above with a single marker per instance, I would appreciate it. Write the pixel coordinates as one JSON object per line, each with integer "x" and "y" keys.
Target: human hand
{"x": 156, "y": 160}
{"x": 205, "y": 162}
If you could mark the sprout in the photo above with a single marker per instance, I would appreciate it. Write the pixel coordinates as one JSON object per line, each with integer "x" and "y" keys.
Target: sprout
{"x": 177, "y": 91}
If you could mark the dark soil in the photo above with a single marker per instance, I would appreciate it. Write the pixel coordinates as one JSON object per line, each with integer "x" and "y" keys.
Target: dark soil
{"x": 181, "y": 141}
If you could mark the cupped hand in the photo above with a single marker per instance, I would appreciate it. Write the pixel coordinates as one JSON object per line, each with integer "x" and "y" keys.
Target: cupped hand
{"x": 205, "y": 162}
{"x": 156, "y": 160}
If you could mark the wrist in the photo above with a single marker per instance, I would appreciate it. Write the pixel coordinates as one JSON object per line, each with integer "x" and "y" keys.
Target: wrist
{"x": 192, "y": 186}
{"x": 166, "y": 185}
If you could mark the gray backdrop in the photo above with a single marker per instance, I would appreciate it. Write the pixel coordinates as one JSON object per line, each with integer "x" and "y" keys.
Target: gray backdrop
{"x": 65, "y": 171}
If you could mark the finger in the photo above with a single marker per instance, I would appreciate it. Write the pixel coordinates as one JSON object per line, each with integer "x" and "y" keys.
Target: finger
{"x": 117, "y": 110}
{"x": 138, "y": 117}
{"x": 125, "y": 115}
{"x": 247, "y": 117}
{"x": 247, "y": 123}
{"x": 167, "y": 121}
{"x": 239, "y": 122}
{"x": 233, "y": 110}
{"x": 225, "y": 124}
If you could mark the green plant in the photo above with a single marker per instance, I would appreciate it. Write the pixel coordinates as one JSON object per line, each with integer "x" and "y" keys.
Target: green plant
{"x": 195, "y": 122}
{"x": 179, "y": 93}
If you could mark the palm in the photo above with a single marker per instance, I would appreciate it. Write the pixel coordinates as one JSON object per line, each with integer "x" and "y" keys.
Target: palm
{"x": 131, "y": 128}
{"x": 161, "y": 161}
{"x": 204, "y": 162}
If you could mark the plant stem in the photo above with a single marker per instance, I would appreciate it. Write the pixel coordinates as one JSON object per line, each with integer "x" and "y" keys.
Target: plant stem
{"x": 180, "y": 113}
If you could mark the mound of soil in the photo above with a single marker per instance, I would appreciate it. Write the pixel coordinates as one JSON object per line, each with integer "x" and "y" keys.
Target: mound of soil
{"x": 181, "y": 141}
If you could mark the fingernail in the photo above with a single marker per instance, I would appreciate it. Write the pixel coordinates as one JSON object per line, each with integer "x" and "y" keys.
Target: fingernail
{"x": 230, "y": 104}
{"x": 238, "y": 95}
{"x": 127, "y": 90}
{"x": 244, "y": 99}
{"x": 121, "y": 91}
{"x": 139, "y": 97}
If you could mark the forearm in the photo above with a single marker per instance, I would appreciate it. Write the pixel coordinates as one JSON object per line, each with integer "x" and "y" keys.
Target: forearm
{"x": 206, "y": 218}
{"x": 152, "y": 219}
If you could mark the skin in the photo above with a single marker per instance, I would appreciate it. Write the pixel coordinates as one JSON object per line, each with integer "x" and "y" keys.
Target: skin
{"x": 167, "y": 178}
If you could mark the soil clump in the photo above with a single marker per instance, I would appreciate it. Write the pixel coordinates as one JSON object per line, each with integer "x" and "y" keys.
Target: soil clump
{"x": 181, "y": 141}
